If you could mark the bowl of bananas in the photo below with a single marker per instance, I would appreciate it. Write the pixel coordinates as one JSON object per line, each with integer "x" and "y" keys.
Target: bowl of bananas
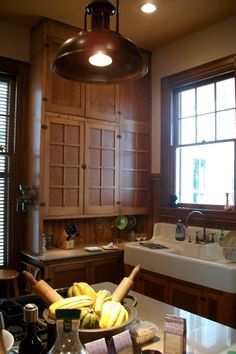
{"x": 100, "y": 315}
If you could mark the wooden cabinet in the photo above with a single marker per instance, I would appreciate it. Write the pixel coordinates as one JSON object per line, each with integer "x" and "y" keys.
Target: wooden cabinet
{"x": 89, "y": 144}
{"x": 135, "y": 167}
{"x": 92, "y": 269}
{"x": 101, "y": 102}
{"x": 80, "y": 168}
{"x": 60, "y": 95}
{"x": 210, "y": 303}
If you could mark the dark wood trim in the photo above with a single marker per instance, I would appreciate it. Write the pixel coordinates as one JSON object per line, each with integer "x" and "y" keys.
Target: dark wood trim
{"x": 213, "y": 217}
{"x": 20, "y": 71}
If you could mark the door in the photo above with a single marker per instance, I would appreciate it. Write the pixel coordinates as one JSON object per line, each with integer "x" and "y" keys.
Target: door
{"x": 101, "y": 172}
{"x": 62, "y": 95}
{"x": 63, "y": 167}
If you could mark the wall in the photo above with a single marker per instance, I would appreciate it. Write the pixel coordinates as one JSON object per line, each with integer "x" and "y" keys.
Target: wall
{"x": 204, "y": 46}
{"x": 14, "y": 41}
{"x": 212, "y": 43}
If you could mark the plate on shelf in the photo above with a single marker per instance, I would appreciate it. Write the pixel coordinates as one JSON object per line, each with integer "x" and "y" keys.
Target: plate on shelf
{"x": 93, "y": 249}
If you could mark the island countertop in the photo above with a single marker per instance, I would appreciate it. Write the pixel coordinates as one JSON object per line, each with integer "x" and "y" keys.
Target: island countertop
{"x": 203, "y": 336}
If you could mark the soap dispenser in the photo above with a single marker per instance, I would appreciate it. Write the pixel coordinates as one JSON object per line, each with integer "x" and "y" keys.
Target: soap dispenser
{"x": 180, "y": 231}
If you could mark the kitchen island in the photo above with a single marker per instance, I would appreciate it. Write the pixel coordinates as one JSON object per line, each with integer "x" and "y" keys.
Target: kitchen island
{"x": 203, "y": 336}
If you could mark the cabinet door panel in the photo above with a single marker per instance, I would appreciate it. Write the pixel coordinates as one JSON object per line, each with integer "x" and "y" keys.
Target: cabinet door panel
{"x": 64, "y": 142}
{"x": 186, "y": 298}
{"x": 101, "y": 174}
{"x": 66, "y": 275}
{"x": 135, "y": 168}
{"x": 62, "y": 96}
{"x": 101, "y": 101}
{"x": 107, "y": 270}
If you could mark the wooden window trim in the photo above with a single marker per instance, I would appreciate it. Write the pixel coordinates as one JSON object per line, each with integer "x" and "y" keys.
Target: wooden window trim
{"x": 20, "y": 73}
{"x": 212, "y": 217}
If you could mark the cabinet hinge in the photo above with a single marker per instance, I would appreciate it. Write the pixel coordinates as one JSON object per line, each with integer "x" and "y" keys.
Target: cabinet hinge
{"x": 44, "y": 126}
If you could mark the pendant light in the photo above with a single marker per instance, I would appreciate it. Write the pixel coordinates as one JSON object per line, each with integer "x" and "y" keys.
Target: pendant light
{"x": 99, "y": 55}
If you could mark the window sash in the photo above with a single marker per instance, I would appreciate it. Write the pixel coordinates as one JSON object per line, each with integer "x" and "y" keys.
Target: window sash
{"x": 169, "y": 132}
{"x": 7, "y": 109}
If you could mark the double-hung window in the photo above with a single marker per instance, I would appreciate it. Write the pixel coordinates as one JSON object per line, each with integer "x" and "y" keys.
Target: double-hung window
{"x": 7, "y": 160}
{"x": 13, "y": 139}
{"x": 198, "y": 140}
{"x": 205, "y": 131}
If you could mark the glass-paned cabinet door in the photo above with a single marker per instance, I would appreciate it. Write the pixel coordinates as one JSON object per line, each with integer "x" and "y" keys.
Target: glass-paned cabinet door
{"x": 63, "y": 167}
{"x": 101, "y": 172}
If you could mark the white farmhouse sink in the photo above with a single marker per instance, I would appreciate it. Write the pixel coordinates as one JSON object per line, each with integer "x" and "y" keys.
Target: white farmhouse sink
{"x": 200, "y": 264}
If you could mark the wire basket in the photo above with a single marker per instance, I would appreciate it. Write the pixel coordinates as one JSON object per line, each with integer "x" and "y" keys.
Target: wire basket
{"x": 230, "y": 253}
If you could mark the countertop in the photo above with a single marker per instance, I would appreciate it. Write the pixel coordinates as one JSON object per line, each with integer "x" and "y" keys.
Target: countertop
{"x": 55, "y": 254}
{"x": 203, "y": 336}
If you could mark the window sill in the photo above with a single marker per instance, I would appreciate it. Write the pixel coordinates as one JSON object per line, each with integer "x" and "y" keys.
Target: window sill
{"x": 211, "y": 218}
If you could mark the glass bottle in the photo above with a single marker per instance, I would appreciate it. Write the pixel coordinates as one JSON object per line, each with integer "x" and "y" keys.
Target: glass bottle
{"x": 31, "y": 343}
{"x": 68, "y": 341}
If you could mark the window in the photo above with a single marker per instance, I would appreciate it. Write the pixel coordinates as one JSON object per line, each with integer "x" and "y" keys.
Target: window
{"x": 7, "y": 99}
{"x": 198, "y": 137}
{"x": 204, "y": 122}
{"x": 13, "y": 118}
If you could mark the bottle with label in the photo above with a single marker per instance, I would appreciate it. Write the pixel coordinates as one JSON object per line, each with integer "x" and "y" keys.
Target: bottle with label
{"x": 31, "y": 343}
{"x": 221, "y": 238}
{"x": 68, "y": 341}
{"x": 180, "y": 231}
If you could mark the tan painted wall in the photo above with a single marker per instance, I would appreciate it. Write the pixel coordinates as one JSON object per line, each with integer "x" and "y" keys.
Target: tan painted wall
{"x": 214, "y": 42}
{"x": 204, "y": 46}
{"x": 14, "y": 41}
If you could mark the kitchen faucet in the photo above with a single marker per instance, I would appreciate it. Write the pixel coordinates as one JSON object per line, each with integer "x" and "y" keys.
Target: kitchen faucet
{"x": 187, "y": 224}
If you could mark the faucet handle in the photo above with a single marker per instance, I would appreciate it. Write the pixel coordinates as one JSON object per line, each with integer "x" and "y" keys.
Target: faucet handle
{"x": 197, "y": 237}
{"x": 212, "y": 237}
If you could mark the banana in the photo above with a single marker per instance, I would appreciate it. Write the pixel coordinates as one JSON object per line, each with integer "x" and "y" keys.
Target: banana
{"x": 70, "y": 303}
{"x": 86, "y": 289}
{"x": 102, "y": 296}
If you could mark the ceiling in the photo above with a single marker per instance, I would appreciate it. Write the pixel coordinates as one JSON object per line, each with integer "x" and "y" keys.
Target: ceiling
{"x": 173, "y": 20}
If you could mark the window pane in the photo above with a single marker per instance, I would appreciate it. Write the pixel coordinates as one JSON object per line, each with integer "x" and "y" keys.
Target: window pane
{"x": 187, "y": 131}
{"x": 205, "y": 99}
{"x": 206, "y": 128}
{"x": 204, "y": 174}
{"x": 225, "y": 94}
{"x": 187, "y": 103}
{"x": 226, "y": 125}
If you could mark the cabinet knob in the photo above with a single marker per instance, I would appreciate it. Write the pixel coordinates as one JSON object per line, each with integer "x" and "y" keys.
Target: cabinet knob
{"x": 84, "y": 166}
{"x": 118, "y": 202}
{"x": 44, "y": 126}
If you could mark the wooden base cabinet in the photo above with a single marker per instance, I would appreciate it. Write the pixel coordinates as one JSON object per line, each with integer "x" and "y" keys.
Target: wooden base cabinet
{"x": 91, "y": 269}
{"x": 214, "y": 304}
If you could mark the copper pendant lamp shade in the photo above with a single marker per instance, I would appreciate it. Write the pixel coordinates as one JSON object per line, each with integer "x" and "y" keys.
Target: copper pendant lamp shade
{"x": 73, "y": 57}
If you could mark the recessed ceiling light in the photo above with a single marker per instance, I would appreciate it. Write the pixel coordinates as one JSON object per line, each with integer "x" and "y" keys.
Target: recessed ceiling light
{"x": 148, "y": 8}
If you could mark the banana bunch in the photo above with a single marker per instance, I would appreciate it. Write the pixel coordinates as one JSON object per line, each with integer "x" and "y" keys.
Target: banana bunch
{"x": 113, "y": 314}
{"x": 74, "y": 302}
